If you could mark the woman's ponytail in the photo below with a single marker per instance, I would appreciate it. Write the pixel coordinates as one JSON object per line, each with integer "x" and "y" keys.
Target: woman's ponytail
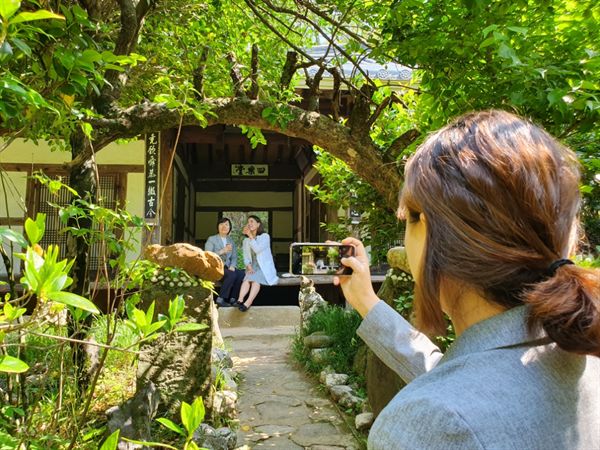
{"x": 567, "y": 306}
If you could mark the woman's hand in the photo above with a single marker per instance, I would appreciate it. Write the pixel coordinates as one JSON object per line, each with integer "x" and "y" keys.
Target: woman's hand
{"x": 249, "y": 269}
{"x": 357, "y": 287}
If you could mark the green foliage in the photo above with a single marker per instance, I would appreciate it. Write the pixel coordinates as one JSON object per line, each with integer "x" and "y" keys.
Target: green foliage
{"x": 191, "y": 418}
{"x": 587, "y": 147}
{"x": 38, "y": 348}
{"x": 342, "y": 188}
{"x": 540, "y": 58}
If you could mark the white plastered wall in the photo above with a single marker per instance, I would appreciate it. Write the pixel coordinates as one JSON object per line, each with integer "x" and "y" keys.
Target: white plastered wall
{"x": 35, "y": 155}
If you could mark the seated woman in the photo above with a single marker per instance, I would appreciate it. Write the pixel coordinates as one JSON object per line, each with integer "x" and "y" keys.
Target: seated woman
{"x": 222, "y": 244}
{"x": 258, "y": 260}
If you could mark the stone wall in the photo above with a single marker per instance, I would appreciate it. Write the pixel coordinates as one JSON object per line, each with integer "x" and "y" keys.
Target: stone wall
{"x": 179, "y": 364}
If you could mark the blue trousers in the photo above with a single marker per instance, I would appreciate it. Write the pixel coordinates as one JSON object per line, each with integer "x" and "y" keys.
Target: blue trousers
{"x": 231, "y": 283}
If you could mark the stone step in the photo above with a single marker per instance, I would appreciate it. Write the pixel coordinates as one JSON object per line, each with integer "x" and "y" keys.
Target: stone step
{"x": 259, "y": 317}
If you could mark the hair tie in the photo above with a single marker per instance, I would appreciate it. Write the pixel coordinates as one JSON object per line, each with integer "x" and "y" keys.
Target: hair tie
{"x": 556, "y": 264}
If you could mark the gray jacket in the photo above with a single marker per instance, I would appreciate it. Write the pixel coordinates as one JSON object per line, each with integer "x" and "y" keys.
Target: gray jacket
{"x": 498, "y": 387}
{"x": 215, "y": 244}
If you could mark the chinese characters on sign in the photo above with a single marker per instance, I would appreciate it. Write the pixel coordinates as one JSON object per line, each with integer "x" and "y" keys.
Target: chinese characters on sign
{"x": 250, "y": 170}
{"x": 151, "y": 184}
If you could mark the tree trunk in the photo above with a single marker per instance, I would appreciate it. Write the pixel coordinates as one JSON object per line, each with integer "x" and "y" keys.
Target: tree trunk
{"x": 82, "y": 178}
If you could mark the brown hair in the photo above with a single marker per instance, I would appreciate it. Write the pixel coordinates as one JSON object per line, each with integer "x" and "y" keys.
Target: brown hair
{"x": 260, "y": 230}
{"x": 501, "y": 199}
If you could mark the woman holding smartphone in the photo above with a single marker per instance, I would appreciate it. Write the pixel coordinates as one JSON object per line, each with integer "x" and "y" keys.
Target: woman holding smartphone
{"x": 222, "y": 244}
{"x": 491, "y": 203}
{"x": 258, "y": 260}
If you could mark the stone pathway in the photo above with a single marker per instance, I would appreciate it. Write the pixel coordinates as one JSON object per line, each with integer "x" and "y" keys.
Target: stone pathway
{"x": 279, "y": 406}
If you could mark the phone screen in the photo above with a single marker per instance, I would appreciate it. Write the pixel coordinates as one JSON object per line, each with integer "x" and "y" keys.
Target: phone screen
{"x": 319, "y": 259}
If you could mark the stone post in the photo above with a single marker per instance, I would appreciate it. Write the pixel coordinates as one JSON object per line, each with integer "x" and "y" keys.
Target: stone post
{"x": 179, "y": 364}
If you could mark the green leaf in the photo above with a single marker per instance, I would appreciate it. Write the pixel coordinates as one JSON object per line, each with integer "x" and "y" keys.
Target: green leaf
{"x": 506, "y": 52}
{"x": 13, "y": 236}
{"x": 171, "y": 425}
{"x": 13, "y": 313}
{"x": 68, "y": 298}
{"x": 111, "y": 442}
{"x": 191, "y": 327}
{"x": 11, "y": 364}
{"x": 520, "y": 30}
{"x": 21, "y": 45}
{"x": 488, "y": 30}
{"x": 152, "y": 328}
{"x": 192, "y": 415}
{"x": 35, "y": 230}
{"x": 42, "y": 14}
{"x": 8, "y": 8}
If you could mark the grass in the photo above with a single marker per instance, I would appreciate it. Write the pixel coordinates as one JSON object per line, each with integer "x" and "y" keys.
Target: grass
{"x": 339, "y": 324}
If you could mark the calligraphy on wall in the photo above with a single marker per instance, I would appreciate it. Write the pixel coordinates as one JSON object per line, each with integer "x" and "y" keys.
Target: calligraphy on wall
{"x": 249, "y": 170}
{"x": 151, "y": 184}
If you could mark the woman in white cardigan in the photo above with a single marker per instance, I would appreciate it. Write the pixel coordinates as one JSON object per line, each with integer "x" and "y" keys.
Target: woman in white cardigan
{"x": 258, "y": 260}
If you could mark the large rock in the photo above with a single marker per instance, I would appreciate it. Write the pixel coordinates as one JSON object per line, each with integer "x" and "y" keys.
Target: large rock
{"x": 195, "y": 261}
{"x": 224, "y": 404}
{"x": 179, "y": 363}
{"x": 318, "y": 339}
{"x": 397, "y": 259}
{"x": 337, "y": 392}
{"x": 336, "y": 379}
{"x": 309, "y": 299}
{"x": 220, "y": 439}
{"x": 134, "y": 417}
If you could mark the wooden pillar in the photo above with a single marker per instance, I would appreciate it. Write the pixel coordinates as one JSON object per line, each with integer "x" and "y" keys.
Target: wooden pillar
{"x": 166, "y": 178}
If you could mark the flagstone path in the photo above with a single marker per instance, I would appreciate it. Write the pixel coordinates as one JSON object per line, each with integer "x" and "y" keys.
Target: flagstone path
{"x": 279, "y": 406}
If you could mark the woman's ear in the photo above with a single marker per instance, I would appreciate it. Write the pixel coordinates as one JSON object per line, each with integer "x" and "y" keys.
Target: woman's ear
{"x": 422, "y": 217}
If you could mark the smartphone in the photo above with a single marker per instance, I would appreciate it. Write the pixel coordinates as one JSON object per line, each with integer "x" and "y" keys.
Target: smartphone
{"x": 319, "y": 258}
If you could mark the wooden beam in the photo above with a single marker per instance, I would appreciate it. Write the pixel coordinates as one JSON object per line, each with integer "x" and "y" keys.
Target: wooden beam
{"x": 223, "y": 172}
{"x": 59, "y": 168}
{"x": 245, "y": 186}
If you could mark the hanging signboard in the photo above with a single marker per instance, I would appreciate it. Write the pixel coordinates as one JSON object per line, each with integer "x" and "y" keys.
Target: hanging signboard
{"x": 151, "y": 175}
{"x": 250, "y": 170}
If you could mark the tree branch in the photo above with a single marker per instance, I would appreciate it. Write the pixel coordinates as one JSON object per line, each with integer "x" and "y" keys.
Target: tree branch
{"x": 400, "y": 143}
{"x": 253, "y": 92}
{"x": 329, "y": 39}
{"x": 289, "y": 68}
{"x": 236, "y": 76}
{"x": 198, "y": 73}
{"x": 313, "y": 90}
{"x": 295, "y": 47}
{"x": 358, "y": 151}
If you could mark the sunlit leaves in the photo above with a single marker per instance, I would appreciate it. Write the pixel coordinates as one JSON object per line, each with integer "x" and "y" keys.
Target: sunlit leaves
{"x": 11, "y": 364}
